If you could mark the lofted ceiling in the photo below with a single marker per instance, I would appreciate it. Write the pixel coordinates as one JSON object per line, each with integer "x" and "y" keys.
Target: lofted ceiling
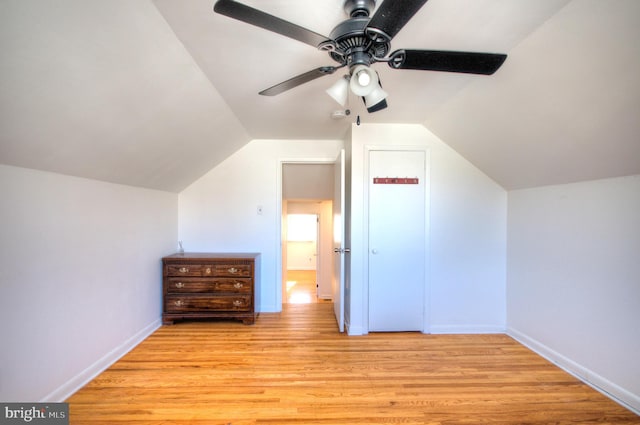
{"x": 156, "y": 93}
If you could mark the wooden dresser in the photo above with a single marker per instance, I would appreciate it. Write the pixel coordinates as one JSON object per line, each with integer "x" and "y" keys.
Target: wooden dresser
{"x": 207, "y": 285}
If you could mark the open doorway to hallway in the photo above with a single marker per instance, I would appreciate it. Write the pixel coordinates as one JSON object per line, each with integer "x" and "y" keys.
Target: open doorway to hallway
{"x": 307, "y": 232}
{"x": 302, "y": 256}
{"x": 307, "y": 251}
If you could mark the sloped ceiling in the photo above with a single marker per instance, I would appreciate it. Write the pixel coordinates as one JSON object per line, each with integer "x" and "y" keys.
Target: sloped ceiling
{"x": 565, "y": 107}
{"x": 156, "y": 93}
{"x": 104, "y": 90}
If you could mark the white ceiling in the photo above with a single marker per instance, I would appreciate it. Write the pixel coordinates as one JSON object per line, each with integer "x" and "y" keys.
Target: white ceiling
{"x": 156, "y": 93}
{"x": 105, "y": 90}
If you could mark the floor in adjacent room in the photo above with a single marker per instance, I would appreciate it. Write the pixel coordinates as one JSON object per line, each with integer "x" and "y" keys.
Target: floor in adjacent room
{"x": 301, "y": 287}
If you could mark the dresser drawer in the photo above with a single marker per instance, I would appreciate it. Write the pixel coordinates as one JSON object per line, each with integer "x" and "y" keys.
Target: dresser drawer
{"x": 190, "y": 285}
{"x": 198, "y": 303}
{"x": 240, "y": 270}
{"x": 189, "y": 270}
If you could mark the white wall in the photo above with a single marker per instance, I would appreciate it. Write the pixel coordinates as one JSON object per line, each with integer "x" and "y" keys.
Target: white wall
{"x": 307, "y": 181}
{"x": 301, "y": 255}
{"x": 467, "y": 235}
{"x": 574, "y": 279}
{"x": 80, "y": 277}
{"x": 217, "y": 213}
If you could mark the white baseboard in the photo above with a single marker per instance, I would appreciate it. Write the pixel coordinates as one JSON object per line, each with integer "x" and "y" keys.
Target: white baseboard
{"x": 67, "y": 389}
{"x": 271, "y": 308}
{"x": 354, "y": 330}
{"x": 599, "y": 383}
{"x": 466, "y": 329}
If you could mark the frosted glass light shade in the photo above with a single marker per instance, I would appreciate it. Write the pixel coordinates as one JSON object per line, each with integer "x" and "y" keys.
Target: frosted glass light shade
{"x": 340, "y": 91}
{"x": 364, "y": 80}
{"x": 375, "y": 97}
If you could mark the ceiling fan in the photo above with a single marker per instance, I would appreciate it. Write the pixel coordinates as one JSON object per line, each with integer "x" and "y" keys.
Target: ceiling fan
{"x": 360, "y": 41}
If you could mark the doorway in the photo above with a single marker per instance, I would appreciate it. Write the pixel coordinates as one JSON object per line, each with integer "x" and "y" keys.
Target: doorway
{"x": 307, "y": 232}
{"x": 306, "y": 251}
{"x": 302, "y": 258}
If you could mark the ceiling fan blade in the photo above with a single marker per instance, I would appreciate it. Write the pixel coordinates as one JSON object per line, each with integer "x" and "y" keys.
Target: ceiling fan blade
{"x": 261, "y": 19}
{"x": 439, "y": 60}
{"x": 299, "y": 80}
{"x": 392, "y": 15}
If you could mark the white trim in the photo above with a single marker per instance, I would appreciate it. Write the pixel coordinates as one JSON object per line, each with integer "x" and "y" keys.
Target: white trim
{"x": 599, "y": 383}
{"x": 273, "y": 308}
{"x": 355, "y": 330}
{"x": 74, "y": 384}
{"x": 279, "y": 241}
{"x": 466, "y": 329}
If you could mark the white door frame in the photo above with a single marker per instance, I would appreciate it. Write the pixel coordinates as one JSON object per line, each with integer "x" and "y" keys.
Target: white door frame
{"x": 339, "y": 245}
{"x": 279, "y": 236}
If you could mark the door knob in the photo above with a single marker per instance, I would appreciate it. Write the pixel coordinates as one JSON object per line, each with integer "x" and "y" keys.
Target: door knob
{"x": 374, "y": 251}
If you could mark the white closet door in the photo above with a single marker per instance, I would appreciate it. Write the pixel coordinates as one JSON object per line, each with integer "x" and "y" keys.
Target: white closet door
{"x": 397, "y": 240}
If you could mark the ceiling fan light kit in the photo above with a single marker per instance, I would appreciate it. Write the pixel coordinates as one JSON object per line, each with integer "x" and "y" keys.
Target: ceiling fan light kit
{"x": 375, "y": 97}
{"x": 359, "y": 42}
{"x": 363, "y": 80}
{"x": 366, "y": 84}
{"x": 339, "y": 91}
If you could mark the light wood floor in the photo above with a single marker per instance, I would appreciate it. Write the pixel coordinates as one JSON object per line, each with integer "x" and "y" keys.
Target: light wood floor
{"x": 295, "y": 368}
{"x": 301, "y": 287}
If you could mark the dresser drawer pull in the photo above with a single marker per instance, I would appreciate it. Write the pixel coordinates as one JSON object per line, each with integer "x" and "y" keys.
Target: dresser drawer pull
{"x": 237, "y": 303}
{"x": 232, "y": 270}
{"x": 207, "y": 270}
{"x": 179, "y": 303}
{"x": 179, "y": 285}
{"x": 238, "y": 285}
{"x": 183, "y": 270}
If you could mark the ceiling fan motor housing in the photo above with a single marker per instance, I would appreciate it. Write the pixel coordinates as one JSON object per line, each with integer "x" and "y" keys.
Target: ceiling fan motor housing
{"x": 353, "y": 45}
{"x": 354, "y": 8}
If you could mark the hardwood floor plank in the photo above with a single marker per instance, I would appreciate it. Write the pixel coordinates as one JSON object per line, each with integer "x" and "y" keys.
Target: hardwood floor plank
{"x": 295, "y": 368}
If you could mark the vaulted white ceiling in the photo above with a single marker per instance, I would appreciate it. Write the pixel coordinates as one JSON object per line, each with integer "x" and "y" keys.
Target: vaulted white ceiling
{"x": 155, "y": 93}
{"x": 104, "y": 90}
